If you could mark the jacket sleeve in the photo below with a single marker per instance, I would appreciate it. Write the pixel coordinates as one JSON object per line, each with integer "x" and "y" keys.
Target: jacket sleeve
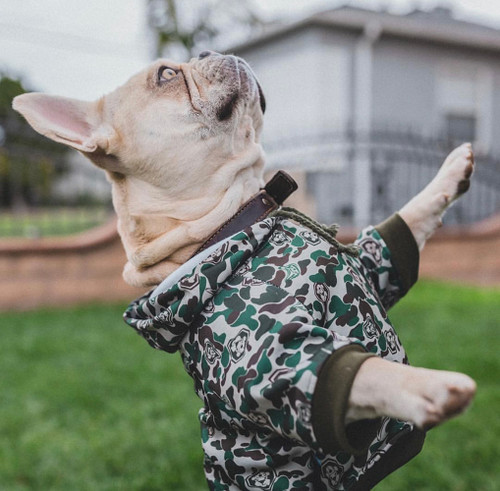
{"x": 390, "y": 256}
{"x": 330, "y": 403}
{"x": 297, "y": 379}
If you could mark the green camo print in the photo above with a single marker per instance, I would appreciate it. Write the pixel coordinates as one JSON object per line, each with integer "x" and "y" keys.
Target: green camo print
{"x": 254, "y": 323}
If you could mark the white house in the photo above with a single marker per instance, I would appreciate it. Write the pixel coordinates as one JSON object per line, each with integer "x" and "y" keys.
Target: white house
{"x": 367, "y": 103}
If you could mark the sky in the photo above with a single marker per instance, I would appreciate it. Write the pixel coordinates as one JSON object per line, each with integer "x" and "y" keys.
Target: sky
{"x": 85, "y": 48}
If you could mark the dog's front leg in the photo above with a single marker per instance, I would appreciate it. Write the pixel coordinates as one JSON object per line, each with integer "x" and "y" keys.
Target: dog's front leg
{"x": 423, "y": 396}
{"x": 423, "y": 213}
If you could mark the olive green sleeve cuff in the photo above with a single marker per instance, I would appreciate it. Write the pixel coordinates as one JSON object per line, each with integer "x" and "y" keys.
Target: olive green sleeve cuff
{"x": 404, "y": 250}
{"x": 330, "y": 402}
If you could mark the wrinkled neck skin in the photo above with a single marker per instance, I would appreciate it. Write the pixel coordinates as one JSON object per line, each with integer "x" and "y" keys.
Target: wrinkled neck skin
{"x": 180, "y": 145}
{"x": 181, "y": 160}
{"x": 186, "y": 209}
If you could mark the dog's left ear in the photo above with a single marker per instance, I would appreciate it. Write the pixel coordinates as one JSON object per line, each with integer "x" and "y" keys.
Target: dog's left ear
{"x": 69, "y": 121}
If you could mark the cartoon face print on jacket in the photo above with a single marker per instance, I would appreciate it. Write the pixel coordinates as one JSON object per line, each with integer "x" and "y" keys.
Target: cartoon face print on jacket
{"x": 332, "y": 472}
{"x": 373, "y": 248}
{"x": 261, "y": 480}
{"x": 238, "y": 345}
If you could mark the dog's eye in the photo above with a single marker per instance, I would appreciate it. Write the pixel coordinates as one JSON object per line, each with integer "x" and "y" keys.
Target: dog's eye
{"x": 166, "y": 73}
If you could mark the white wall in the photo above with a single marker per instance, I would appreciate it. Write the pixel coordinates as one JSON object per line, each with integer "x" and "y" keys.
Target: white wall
{"x": 306, "y": 85}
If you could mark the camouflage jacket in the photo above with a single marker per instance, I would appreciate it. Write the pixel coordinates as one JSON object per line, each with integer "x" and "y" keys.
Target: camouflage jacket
{"x": 264, "y": 326}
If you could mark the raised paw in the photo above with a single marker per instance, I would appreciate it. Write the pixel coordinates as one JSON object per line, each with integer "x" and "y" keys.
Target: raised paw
{"x": 448, "y": 395}
{"x": 453, "y": 178}
{"x": 423, "y": 213}
{"x": 423, "y": 396}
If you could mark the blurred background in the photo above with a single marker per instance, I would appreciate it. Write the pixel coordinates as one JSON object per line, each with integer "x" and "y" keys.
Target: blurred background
{"x": 364, "y": 101}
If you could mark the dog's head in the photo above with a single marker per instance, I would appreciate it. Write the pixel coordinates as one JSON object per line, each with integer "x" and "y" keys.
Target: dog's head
{"x": 180, "y": 144}
{"x": 166, "y": 120}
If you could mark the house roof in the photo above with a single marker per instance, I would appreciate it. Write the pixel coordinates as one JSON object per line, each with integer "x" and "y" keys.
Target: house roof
{"x": 437, "y": 26}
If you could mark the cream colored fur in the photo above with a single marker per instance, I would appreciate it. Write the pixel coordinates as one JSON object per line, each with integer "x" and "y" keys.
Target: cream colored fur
{"x": 180, "y": 165}
{"x": 177, "y": 171}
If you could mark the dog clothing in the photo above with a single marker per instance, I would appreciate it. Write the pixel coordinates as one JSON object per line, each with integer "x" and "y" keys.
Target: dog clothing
{"x": 272, "y": 326}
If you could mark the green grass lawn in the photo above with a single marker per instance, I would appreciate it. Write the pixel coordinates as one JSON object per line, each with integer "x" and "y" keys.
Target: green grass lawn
{"x": 52, "y": 222}
{"x": 88, "y": 405}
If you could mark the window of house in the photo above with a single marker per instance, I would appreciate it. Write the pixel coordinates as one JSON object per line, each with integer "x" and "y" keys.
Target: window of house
{"x": 463, "y": 102}
{"x": 460, "y": 127}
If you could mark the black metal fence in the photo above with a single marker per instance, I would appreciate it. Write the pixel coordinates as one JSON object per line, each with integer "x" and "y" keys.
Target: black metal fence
{"x": 407, "y": 162}
{"x": 43, "y": 192}
{"x": 401, "y": 164}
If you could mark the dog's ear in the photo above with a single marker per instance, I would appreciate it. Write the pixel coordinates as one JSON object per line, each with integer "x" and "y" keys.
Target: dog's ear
{"x": 68, "y": 121}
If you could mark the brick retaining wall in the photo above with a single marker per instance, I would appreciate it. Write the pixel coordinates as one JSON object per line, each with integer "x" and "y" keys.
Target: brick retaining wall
{"x": 87, "y": 267}
{"x": 63, "y": 271}
{"x": 468, "y": 255}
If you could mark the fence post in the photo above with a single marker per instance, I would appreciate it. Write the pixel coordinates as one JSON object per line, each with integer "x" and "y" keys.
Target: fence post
{"x": 363, "y": 68}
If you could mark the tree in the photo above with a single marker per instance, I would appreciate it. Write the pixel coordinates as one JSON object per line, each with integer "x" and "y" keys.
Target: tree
{"x": 28, "y": 162}
{"x": 181, "y": 28}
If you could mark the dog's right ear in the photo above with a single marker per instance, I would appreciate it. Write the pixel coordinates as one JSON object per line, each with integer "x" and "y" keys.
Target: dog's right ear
{"x": 69, "y": 121}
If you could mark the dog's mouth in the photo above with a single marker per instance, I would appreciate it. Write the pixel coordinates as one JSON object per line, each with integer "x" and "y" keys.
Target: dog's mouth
{"x": 248, "y": 78}
{"x": 231, "y": 74}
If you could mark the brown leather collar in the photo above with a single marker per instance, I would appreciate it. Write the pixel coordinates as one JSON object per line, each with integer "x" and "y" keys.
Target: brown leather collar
{"x": 256, "y": 208}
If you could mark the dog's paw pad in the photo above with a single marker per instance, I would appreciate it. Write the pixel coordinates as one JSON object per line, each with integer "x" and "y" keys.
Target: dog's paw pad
{"x": 463, "y": 186}
{"x": 454, "y": 175}
{"x": 470, "y": 167}
{"x": 452, "y": 398}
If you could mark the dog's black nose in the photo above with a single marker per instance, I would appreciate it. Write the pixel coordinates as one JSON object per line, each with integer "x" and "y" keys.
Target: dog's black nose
{"x": 204, "y": 54}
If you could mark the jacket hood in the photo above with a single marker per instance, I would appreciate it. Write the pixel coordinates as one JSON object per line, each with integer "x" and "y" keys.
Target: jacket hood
{"x": 164, "y": 316}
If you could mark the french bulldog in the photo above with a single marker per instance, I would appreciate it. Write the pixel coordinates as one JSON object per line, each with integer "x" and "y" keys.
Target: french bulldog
{"x": 180, "y": 144}
{"x": 152, "y": 137}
